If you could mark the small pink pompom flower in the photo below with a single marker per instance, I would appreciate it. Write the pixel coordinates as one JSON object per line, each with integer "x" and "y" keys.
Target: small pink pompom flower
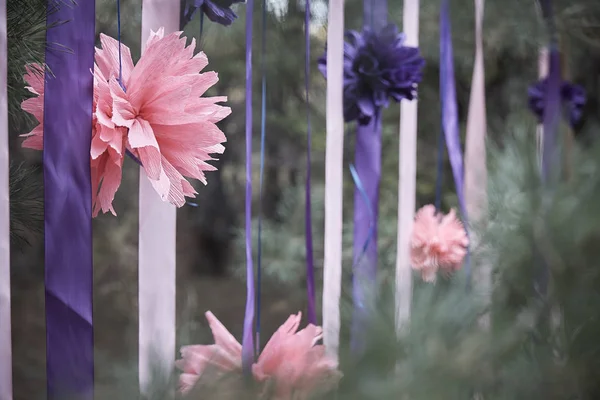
{"x": 292, "y": 364}
{"x": 438, "y": 242}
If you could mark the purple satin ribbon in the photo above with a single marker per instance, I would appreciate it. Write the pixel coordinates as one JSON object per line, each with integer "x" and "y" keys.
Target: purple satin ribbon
{"x": 68, "y": 202}
{"x": 367, "y": 161}
{"x": 247, "y": 340}
{"x": 310, "y": 267}
{"x": 449, "y": 108}
{"x": 552, "y": 113}
{"x": 450, "y": 112}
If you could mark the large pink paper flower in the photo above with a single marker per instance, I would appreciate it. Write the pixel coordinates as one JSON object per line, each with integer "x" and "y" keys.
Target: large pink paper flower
{"x": 294, "y": 363}
{"x": 34, "y": 76}
{"x": 155, "y": 112}
{"x": 291, "y": 362}
{"x": 438, "y": 242}
{"x": 172, "y": 130}
{"x": 225, "y": 356}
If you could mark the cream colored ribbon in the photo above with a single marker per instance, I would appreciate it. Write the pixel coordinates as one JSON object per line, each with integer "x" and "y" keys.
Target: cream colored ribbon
{"x": 407, "y": 180}
{"x": 334, "y": 161}
{"x": 5, "y": 327}
{"x": 475, "y": 150}
{"x": 542, "y": 73}
{"x": 157, "y": 236}
{"x": 475, "y": 156}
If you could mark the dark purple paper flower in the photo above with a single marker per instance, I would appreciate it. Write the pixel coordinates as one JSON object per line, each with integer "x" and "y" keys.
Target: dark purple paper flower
{"x": 573, "y": 98}
{"x": 218, "y": 11}
{"x": 377, "y": 66}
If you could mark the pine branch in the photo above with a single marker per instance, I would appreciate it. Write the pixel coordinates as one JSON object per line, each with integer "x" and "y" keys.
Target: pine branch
{"x": 26, "y": 204}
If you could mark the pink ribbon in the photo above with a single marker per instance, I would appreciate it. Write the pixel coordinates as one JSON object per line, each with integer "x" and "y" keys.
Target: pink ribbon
{"x": 334, "y": 166}
{"x": 5, "y": 327}
{"x": 407, "y": 179}
{"x": 157, "y": 237}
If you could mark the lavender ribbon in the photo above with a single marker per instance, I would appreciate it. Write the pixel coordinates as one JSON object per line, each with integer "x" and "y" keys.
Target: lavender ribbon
{"x": 551, "y": 157}
{"x": 367, "y": 159}
{"x": 450, "y": 112}
{"x": 68, "y": 202}
{"x": 310, "y": 268}
{"x": 247, "y": 340}
{"x": 552, "y": 109}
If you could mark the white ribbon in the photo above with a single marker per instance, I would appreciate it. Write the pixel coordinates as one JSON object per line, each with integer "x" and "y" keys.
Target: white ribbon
{"x": 475, "y": 151}
{"x": 542, "y": 73}
{"x": 475, "y": 155}
{"x": 334, "y": 161}
{"x": 5, "y": 339}
{"x": 157, "y": 236}
{"x": 407, "y": 179}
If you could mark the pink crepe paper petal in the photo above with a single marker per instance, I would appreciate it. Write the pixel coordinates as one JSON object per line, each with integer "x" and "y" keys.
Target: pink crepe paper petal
{"x": 34, "y": 76}
{"x": 107, "y": 58}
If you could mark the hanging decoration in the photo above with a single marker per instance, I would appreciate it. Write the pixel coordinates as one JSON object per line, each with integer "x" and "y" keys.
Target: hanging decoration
{"x": 218, "y": 11}
{"x": 118, "y": 128}
{"x": 263, "y": 134}
{"x": 475, "y": 154}
{"x": 67, "y": 126}
{"x": 310, "y": 268}
{"x": 450, "y": 112}
{"x": 5, "y": 308}
{"x": 438, "y": 242}
{"x": 407, "y": 179}
{"x": 377, "y": 66}
{"x": 573, "y": 98}
{"x": 334, "y": 166}
{"x": 290, "y": 366}
{"x": 247, "y": 339}
{"x": 475, "y": 150}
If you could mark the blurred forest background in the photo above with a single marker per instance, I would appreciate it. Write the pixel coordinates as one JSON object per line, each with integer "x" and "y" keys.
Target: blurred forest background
{"x": 210, "y": 256}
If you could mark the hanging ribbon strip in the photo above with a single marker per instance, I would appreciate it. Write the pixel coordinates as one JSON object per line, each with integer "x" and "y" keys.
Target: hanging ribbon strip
{"x": 407, "y": 179}
{"x": 247, "y": 342}
{"x": 367, "y": 161}
{"x": 68, "y": 203}
{"x": 450, "y": 112}
{"x": 157, "y": 238}
{"x": 550, "y": 155}
{"x": 334, "y": 165}
{"x": 542, "y": 73}
{"x": 552, "y": 111}
{"x": 5, "y": 322}
{"x": 263, "y": 126}
{"x": 475, "y": 152}
{"x": 310, "y": 267}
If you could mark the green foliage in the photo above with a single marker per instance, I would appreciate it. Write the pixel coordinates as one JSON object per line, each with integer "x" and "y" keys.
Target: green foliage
{"x": 26, "y": 204}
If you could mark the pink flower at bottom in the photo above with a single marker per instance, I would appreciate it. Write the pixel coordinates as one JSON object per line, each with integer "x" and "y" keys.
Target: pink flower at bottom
{"x": 225, "y": 356}
{"x": 294, "y": 363}
{"x": 438, "y": 242}
{"x": 291, "y": 363}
